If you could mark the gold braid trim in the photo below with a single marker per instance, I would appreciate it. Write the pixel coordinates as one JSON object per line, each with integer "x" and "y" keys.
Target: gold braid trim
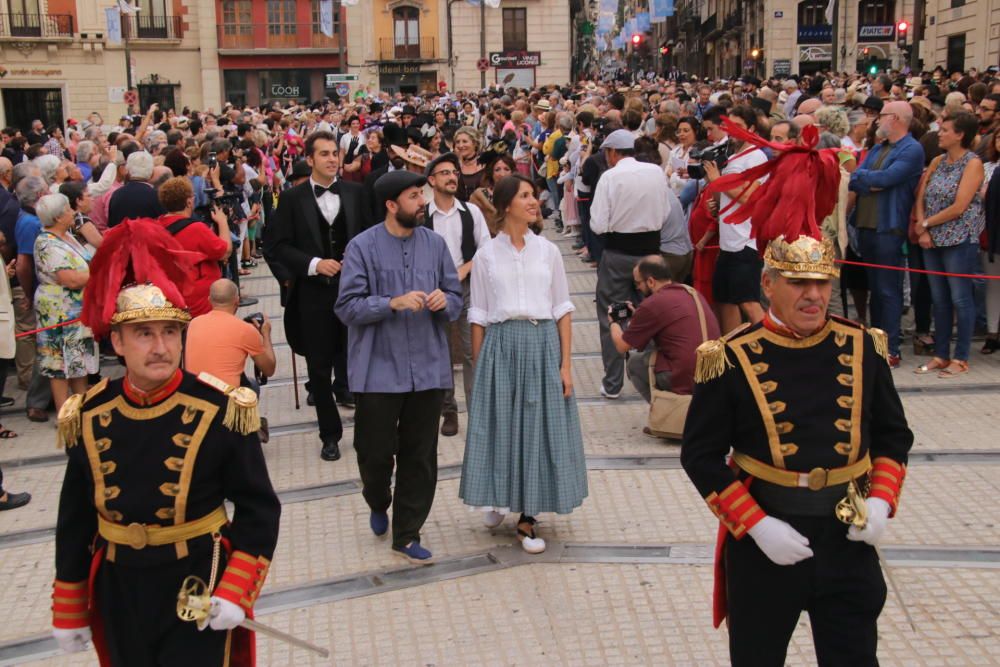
{"x": 242, "y": 415}
{"x": 70, "y": 422}
{"x": 881, "y": 341}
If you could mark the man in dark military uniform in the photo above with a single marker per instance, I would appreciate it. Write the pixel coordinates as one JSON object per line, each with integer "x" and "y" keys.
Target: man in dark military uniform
{"x": 807, "y": 404}
{"x": 151, "y": 459}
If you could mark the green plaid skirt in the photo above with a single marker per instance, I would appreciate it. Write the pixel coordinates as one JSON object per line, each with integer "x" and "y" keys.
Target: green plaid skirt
{"x": 524, "y": 451}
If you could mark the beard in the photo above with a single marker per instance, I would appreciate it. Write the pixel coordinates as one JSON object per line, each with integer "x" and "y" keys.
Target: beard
{"x": 881, "y": 132}
{"x": 410, "y": 220}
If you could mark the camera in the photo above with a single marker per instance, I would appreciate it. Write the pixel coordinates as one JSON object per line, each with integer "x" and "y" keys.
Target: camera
{"x": 717, "y": 154}
{"x": 256, "y": 319}
{"x": 213, "y": 160}
{"x": 620, "y": 311}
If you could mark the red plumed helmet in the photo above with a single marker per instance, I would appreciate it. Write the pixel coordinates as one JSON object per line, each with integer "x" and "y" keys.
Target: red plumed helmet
{"x": 135, "y": 277}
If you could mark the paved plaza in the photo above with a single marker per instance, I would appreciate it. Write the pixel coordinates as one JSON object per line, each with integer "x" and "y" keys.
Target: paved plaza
{"x": 626, "y": 579}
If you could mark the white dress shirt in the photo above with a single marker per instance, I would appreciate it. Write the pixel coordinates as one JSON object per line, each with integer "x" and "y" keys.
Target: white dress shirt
{"x": 512, "y": 284}
{"x": 630, "y": 197}
{"x": 329, "y": 206}
{"x": 734, "y": 238}
{"x": 449, "y": 225}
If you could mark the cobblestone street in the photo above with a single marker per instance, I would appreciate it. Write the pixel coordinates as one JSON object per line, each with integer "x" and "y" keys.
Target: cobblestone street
{"x": 626, "y": 579}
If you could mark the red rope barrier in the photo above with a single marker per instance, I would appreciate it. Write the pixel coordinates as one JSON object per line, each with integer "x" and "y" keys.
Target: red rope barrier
{"x": 54, "y": 326}
{"x": 902, "y": 268}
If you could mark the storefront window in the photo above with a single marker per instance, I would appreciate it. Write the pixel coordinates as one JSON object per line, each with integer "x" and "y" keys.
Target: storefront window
{"x": 235, "y": 84}
{"x": 283, "y": 85}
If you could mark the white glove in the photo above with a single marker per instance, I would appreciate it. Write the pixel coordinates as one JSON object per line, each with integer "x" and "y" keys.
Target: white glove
{"x": 878, "y": 519}
{"x": 780, "y": 542}
{"x": 72, "y": 640}
{"x": 224, "y": 615}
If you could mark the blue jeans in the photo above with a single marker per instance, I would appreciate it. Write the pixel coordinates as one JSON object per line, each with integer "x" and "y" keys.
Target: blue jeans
{"x": 952, "y": 297}
{"x": 886, "y": 285}
{"x": 554, "y": 195}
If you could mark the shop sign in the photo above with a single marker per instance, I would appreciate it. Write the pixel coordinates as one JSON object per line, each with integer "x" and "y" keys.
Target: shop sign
{"x": 876, "y": 33}
{"x": 815, "y": 54}
{"x": 399, "y": 68}
{"x": 815, "y": 34}
{"x": 333, "y": 79}
{"x": 24, "y": 71}
{"x": 782, "y": 67}
{"x": 516, "y": 58}
{"x": 279, "y": 90}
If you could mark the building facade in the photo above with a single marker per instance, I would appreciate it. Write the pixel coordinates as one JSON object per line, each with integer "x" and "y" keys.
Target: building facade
{"x": 57, "y": 61}
{"x": 959, "y": 35}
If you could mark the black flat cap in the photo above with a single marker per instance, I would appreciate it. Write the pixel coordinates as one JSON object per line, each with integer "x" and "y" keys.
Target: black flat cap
{"x": 447, "y": 157}
{"x": 389, "y": 186}
{"x": 873, "y": 103}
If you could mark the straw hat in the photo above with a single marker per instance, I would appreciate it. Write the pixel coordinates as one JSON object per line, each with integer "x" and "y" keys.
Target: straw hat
{"x": 414, "y": 155}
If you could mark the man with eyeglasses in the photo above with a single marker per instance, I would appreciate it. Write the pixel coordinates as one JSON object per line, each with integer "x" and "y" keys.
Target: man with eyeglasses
{"x": 989, "y": 122}
{"x": 464, "y": 230}
{"x": 885, "y": 184}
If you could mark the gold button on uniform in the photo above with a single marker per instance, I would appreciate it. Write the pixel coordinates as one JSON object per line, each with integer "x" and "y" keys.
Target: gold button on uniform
{"x": 137, "y": 538}
{"x": 817, "y": 479}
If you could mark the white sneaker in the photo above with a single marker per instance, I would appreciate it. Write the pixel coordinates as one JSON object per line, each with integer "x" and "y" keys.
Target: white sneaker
{"x": 492, "y": 519}
{"x": 608, "y": 394}
{"x": 533, "y": 545}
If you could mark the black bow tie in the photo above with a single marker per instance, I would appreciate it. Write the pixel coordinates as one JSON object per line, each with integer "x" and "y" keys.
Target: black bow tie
{"x": 334, "y": 189}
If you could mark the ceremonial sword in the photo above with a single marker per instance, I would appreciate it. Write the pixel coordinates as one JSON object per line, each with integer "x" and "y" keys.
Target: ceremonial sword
{"x": 853, "y": 511}
{"x": 194, "y": 604}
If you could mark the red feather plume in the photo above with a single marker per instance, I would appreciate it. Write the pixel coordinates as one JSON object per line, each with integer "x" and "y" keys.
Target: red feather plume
{"x": 801, "y": 189}
{"x": 137, "y": 251}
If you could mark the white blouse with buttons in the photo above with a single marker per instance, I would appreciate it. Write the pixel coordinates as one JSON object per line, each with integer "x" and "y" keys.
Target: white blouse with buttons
{"x": 512, "y": 284}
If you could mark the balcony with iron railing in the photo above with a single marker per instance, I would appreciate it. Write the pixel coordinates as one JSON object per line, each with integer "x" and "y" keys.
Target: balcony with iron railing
{"x": 21, "y": 26}
{"x": 251, "y": 36}
{"x": 421, "y": 49}
{"x": 152, "y": 26}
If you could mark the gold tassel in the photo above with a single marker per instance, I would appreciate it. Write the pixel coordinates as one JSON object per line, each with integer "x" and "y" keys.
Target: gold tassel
{"x": 881, "y": 340}
{"x": 711, "y": 362}
{"x": 241, "y": 412}
{"x": 70, "y": 422}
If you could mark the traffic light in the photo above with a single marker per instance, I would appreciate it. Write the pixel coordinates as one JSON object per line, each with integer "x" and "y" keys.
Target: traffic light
{"x": 866, "y": 51}
{"x": 873, "y": 69}
{"x": 636, "y": 39}
{"x": 664, "y": 50}
{"x": 901, "y": 29}
{"x": 755, "y": 54}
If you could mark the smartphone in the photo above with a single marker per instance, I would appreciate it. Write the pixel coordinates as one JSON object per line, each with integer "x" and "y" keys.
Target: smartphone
{"x": 213, "y": 161}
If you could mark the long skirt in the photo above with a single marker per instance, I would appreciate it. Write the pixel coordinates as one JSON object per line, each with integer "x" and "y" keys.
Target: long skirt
{"x": 524, "y": 450}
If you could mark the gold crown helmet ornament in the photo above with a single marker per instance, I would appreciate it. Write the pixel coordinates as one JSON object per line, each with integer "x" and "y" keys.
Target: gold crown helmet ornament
{"x": 146, "y": 303}
{"x": 805, "y": 257}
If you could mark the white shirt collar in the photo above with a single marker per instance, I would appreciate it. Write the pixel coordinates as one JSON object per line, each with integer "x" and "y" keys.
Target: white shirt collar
{"x": 433, "y": 207}
{"x": 314, "y": 183}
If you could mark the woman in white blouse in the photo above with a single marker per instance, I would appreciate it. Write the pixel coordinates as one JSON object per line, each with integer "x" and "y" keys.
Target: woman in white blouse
{"x": 523, "y": 451}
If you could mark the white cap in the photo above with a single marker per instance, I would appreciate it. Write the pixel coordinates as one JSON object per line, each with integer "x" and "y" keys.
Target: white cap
{"x": 618, "y": 140}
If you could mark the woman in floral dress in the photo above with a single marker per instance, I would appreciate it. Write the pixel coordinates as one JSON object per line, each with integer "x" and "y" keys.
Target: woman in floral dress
{"x": 66, "y": 353}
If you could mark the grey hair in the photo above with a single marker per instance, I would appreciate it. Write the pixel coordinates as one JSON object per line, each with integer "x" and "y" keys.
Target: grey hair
{"x": 139, "y": 166}
{"x": 565, "y": 122}
{"x": 23, "y": 170}
{"x": 47, "y": 165}
{"x": 50, "y": 207}
{"x": 92, "y": 133}
{"x": 85, "y": 151}
{"x": 30, "y": 189}
{"x": 828, "y": 140}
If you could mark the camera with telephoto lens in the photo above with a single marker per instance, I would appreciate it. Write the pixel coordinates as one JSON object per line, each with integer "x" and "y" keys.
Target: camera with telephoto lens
{"x": 717, "y": 154}
{"x": 619, "y": 311}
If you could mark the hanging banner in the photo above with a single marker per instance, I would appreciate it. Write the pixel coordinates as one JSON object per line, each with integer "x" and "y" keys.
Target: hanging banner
{"x": 660, "y": 10}
{"x": 326, "y": 17}
{"x": 114, "y": 21}
{"x": 642, "y": 21}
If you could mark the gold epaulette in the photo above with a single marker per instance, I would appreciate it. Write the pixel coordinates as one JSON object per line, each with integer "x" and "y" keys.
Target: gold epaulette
{"x": 242, "y": 415}
{"x": 881, "y": 341}
{"x": 711, "y": 361}
{"x": 70, "y": 422}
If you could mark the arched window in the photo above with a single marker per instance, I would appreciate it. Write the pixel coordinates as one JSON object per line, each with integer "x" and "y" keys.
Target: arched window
{"x": 876, "y": 12}
{"x": 406, "y": 31}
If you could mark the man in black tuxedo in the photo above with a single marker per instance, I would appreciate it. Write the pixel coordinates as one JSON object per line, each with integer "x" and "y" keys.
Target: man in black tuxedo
{"x": 313, "y": 224}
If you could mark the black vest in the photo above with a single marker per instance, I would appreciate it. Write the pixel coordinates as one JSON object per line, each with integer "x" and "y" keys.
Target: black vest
{"x": 334, "y": 235}
{"x": 468, "y": 233}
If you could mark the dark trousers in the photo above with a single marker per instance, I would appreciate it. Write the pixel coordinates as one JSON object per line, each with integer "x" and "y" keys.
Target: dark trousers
{"x": 404, "y": 427}
{"x": 326, "y": 354}
{"x": 886, "y": 285}
{"x": 841, "y": 587}
{"x": 920, "y": 289}
{"x": 139, "y": 608}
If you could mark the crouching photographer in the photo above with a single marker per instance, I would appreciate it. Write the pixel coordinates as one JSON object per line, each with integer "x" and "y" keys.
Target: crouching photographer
{"x": 666, "y": 327}
{"x": 219, "y": 342}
